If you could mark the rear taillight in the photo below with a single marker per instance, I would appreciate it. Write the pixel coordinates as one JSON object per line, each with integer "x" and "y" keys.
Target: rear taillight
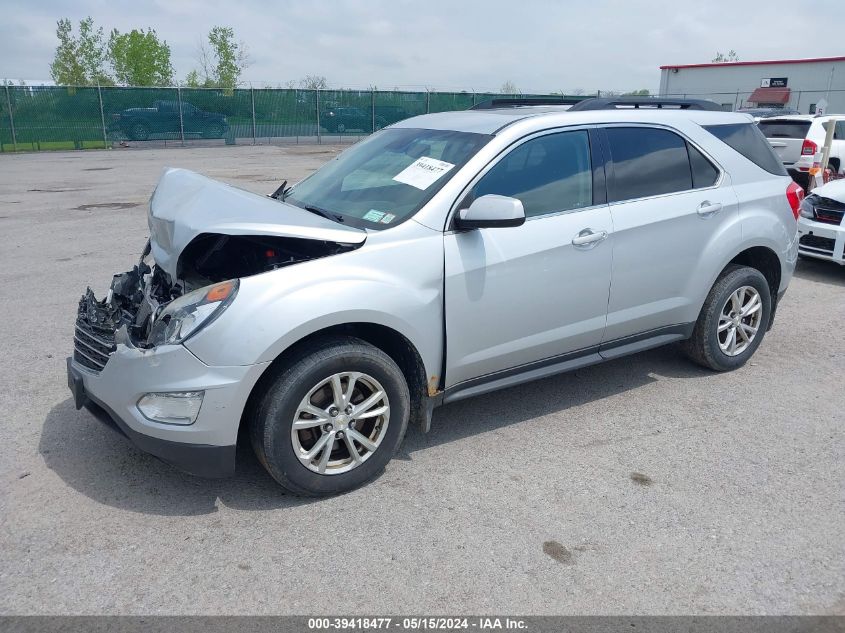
{"x": 795, "y": 194}
{"x": 808, "y": 148}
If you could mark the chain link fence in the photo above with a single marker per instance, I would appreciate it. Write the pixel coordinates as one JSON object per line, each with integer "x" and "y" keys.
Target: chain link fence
{"x": 34, "y": 118}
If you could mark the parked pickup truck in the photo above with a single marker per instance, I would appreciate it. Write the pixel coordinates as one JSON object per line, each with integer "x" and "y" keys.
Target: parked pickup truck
{"x": 139, "y": 124}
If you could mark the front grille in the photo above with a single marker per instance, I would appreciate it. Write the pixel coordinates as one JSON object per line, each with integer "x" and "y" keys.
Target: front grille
{"x": 829, "y": 216}
{"x": 827, "y": 210}
{"x": 818, "y": 243}
{"x": 92, "y": 343}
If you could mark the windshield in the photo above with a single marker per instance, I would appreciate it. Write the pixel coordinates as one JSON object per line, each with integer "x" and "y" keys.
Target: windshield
{"x": 388, "y": 177}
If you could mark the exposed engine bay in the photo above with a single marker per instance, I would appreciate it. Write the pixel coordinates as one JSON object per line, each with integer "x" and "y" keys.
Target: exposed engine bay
{"x": 138, "y": 296}
{"x": 202, "y": 232}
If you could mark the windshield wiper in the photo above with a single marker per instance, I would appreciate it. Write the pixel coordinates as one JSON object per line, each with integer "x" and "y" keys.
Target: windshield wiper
{"x": 282, "y": 192}
{"x": 326, "y": 214}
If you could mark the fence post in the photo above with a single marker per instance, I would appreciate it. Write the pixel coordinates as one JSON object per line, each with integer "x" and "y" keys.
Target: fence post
{"x": 317, "y": 108}
{"x": 252, "y": 94}
{"x": 102, "y": 116}
{"x": 11, "y": 119}
{"x": 181, "y": 122}
{"x": 427, "y": 101}
{"x": 373, "y": 109}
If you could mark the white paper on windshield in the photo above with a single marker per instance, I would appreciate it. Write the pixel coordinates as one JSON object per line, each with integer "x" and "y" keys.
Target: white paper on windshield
{"x": 423, "y": 172}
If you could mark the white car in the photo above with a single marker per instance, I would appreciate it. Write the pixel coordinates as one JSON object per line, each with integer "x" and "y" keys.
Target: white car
{"x": 820, "y": 227}
{"x": 798, "y": 140}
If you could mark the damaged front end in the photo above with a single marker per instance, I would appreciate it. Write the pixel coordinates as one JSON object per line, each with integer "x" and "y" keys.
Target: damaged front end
{"x": 204, "y": 237}
{"x": 130, "y": 306}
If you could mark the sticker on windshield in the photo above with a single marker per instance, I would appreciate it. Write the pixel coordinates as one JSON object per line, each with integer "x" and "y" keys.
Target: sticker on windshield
{"x": 388, "y": 218}
{"x": 373, "y": 216}
{"x": 423, "y": 172}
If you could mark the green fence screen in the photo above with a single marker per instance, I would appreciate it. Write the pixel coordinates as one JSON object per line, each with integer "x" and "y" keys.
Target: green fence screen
{"x": 61, "y": 117}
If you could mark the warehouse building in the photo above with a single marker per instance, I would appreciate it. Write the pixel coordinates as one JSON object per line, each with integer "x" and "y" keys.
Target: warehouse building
{"x": 806, "y": 85}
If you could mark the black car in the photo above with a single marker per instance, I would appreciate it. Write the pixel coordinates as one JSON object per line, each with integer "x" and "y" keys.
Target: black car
{"x": 139, "y": 124}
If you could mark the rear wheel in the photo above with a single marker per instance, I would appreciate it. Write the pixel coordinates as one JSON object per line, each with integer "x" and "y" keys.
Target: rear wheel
{"x": 332, "y": 418}
{"x": 732, "y": 321}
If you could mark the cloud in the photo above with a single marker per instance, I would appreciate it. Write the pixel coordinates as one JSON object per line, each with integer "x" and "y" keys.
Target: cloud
{"x": 471, "y": 44}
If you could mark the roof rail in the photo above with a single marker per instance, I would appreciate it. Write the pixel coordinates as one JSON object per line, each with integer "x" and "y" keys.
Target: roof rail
{"x": 511, "y": 102}
{"x": 623, "y": 103}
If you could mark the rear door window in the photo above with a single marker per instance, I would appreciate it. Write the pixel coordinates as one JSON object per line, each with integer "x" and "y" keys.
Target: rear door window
{"x": 647, "y": 162}
{"x": 748, "y": 140}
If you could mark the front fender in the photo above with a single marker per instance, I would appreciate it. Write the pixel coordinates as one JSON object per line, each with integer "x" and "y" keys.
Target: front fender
{"x": 396, "y": 285}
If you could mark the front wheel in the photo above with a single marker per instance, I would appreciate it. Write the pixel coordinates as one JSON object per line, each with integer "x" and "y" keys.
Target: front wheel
{"x": 732, "y": 321}
{"x": 139, "y": 132}
{"x": 331, "y": 418}
{"x": 213, "y": 130}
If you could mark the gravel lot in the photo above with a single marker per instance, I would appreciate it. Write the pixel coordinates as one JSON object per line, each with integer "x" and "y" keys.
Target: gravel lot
{"x": 644, "y": 485}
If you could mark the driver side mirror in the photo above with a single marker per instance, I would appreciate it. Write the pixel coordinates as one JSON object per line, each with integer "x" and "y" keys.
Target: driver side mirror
{"x": 491, "y": 211}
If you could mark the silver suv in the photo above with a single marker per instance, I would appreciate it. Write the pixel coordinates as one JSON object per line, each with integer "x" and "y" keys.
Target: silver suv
{"x": 443, "y": 257}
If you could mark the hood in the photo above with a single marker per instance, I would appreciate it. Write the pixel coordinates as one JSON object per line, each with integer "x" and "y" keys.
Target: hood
{"x": 835, "y": 190}
{"x": 186, "y": 205}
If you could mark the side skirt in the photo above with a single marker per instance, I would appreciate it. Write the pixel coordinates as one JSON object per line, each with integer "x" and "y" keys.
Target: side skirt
{"x": 563, "y": 363}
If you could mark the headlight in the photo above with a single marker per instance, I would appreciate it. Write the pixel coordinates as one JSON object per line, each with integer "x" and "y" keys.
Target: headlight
{"x": 186, "y": 315}
{"x": 807, "y": 209}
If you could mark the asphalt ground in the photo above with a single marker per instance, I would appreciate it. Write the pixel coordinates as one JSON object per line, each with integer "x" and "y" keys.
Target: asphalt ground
{"x": 644, "y": 485}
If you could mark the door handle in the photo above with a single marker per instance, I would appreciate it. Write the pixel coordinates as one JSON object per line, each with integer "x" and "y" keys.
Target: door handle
{"x": 587, "y": 238}
{"x": 707, "y": 208}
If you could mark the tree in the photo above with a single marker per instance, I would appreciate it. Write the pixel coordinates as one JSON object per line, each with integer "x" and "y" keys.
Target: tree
{"x": 638, "y": 93}
{"x": 221, "y": 61}
{"x": 80, "y": 60}
{"x": 140, "y": 59}
{"x": 509, "y": 88}
{"x": 313, "y": 82}
{"x": 192, "y": 80}
{"x": 730, "y": 57}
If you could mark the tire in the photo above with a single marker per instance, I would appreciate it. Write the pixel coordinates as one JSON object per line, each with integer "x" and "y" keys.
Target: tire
{"x": 139, "y": 132}
{"x": 283, "y": 450}
{"x": 213, "y": 130}
{"x": 707, "y": 344}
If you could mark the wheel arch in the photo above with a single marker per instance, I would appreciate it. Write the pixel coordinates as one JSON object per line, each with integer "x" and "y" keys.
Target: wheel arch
{"x": 767, "y": 261}
{"x": 389, "y": 340}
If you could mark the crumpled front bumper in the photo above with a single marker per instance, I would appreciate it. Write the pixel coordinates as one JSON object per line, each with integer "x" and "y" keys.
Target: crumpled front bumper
{"x": 206, "y": 447}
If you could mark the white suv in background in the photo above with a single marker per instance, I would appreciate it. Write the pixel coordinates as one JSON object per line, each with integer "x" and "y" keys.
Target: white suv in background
{"x": 798, "y": 140}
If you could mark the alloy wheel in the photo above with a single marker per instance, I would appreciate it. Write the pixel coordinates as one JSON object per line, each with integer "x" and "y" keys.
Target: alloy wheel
{"x": 340, "y": 423}
{"x": 739, "y": 320}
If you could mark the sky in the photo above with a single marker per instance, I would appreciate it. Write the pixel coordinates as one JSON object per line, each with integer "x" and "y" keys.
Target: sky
{"x": 538, "y": 45}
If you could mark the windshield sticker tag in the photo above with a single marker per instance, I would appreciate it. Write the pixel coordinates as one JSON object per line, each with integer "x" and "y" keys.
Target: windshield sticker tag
{"x": 373, "y": 216}
{"x": 423, "y": 172}
{"x": 388, "y": 218}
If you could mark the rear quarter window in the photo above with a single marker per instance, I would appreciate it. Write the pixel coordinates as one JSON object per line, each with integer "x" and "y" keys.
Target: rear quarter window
{"x": 748, "y": 140}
